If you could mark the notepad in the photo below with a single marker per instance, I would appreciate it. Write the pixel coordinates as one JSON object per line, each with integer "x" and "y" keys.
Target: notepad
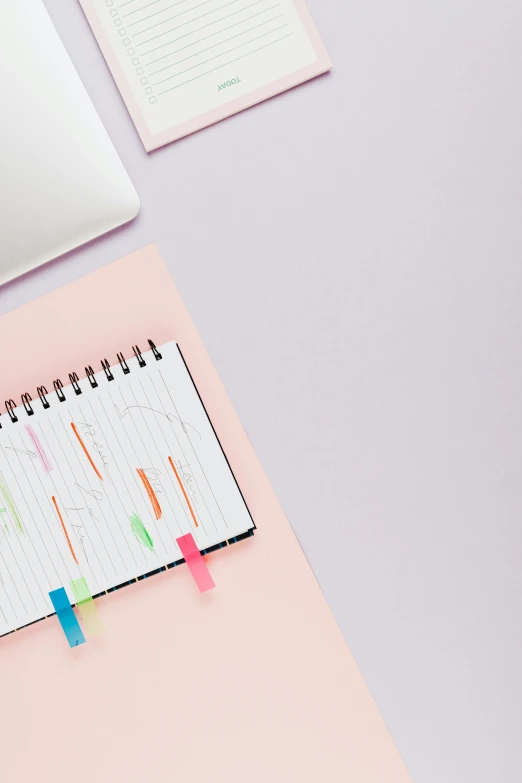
{"x": 183, "y": 64}
{"x": 99, "y": 477}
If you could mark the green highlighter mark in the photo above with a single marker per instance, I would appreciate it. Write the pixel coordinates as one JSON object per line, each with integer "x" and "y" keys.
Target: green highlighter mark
{"x": 141, "y": 533}
{"x": 9, "y": 502}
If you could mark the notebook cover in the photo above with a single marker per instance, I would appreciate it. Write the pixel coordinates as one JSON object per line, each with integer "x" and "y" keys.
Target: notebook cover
{"x": 158, "y": 696}
{"x": 153, "y": 141}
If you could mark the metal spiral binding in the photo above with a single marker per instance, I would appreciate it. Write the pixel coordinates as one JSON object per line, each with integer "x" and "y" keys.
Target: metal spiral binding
{"x": 42, "y": 391}
{"x": 90, "y": 375}
{"x": 10, "y": 405}
{"x": 27, "y": 400}
{"x": 123, "y": 364}
{"x": 58, "y": 386}
{"x": 74, "y": 382}
{"x": 107, "y": 369}
{"x": 139, "y": 357}
{"x": 155, "y": 351}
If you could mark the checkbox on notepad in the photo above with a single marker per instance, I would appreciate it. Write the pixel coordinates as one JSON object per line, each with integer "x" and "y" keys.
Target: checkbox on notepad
{"x": 127, "y": 42}
{"x": 153, "y": 99}
{"x": 118, "y": 22}
{"x": 139, "y": 71}
{"x": 109, "y": 2}
{"x": 148, "y": 90}
{"x": 136, "y": 61}
{"x": 144, "y": 80}
{"x": 114, "y": 12}
{"x": 131, "y": 51}
{"x": 123, "y": 32}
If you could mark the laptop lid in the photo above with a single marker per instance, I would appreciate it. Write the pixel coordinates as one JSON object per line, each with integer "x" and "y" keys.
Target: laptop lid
{"x": 61, "y": 180}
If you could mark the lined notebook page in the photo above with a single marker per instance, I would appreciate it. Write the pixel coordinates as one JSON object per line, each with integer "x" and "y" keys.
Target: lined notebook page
{"x": 102, "y": 484}
{"x": 183, "y": 58}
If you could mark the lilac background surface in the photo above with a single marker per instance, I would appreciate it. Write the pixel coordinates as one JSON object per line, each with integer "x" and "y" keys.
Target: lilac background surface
{"x": 350, "y": 253}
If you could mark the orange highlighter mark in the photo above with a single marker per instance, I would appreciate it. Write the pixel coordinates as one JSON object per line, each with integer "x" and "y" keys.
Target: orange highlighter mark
{"x": 150, "y": 492}
{"x": 64, "y": 529}
{"x": 183, "y": 490}
{"x": 84, "y": 447}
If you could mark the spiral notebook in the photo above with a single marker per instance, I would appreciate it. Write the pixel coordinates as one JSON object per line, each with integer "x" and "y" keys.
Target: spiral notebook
{"x": 181, "y": 65}
{"x": 100, "y": 477}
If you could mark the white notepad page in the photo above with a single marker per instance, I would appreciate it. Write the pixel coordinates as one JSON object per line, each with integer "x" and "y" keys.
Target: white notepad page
{"x": 184, "y": 58}
{"x": 102, "y": 484}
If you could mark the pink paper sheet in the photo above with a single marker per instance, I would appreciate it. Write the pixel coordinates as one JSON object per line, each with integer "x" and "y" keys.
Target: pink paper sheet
{"x": 159, "y": 696}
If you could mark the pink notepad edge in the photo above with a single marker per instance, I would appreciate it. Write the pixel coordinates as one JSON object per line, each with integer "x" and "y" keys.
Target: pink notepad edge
{"x": 153, "y": 141}
{"x": 249, "y": 681}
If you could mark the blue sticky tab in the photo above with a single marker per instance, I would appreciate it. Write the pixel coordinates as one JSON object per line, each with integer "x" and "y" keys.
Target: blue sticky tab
{"x": 67, "y": 618}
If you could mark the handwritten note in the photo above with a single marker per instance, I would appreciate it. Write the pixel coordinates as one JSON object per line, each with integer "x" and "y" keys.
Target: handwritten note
{"x": 101, "y": 485}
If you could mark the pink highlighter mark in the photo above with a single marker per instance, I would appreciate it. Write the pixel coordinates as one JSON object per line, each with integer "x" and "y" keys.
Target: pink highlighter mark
{"x": 195, "y": 562}
{"x": 46, "y": 462}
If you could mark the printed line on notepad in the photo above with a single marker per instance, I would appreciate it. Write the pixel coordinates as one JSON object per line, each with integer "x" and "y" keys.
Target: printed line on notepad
{"x": 217, "y": 56}
{"x": 170, "y": 54}
{"x": 209, "y": 24}
{"x": 143, "y": 7}
{"x": 172, "y": 65}
{"x": 182, "y": 13}
{"x": 142, "y": 43}
{"x": 223, "y": 65}
{"x": 163, "y": 11}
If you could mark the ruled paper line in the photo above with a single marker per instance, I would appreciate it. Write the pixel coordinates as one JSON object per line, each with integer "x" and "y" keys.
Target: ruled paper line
{"x": 163, "y": 57}
{"x": 210, "y": 24}
{"x": 158, "y": 459}
{"x": 179, "y": 26}
{"x": 194, "y": 451}
{"x": 143, "y": 7}
{"x": 158, "y": 24}
{"x": 180, "y": 2}
{"x": 223, "y": 54}
{"x": 153, "y": 73}
{"x": 185, "y": 458}
{"x": 225, "y": 64}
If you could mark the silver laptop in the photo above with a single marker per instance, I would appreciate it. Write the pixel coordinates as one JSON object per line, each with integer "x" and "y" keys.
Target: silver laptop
{"x": 61, "y": 180}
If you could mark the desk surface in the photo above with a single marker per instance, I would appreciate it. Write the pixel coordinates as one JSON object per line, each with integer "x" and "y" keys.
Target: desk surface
{"x": 350, "y": 252}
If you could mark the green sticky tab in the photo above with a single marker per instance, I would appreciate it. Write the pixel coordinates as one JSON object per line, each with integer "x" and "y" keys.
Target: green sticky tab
{"x": 81, "y": 590}
{"x": 87, "y": 607}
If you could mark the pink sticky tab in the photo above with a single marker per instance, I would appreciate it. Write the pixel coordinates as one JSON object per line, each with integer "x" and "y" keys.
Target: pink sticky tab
{"x": 195, "y": 562}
